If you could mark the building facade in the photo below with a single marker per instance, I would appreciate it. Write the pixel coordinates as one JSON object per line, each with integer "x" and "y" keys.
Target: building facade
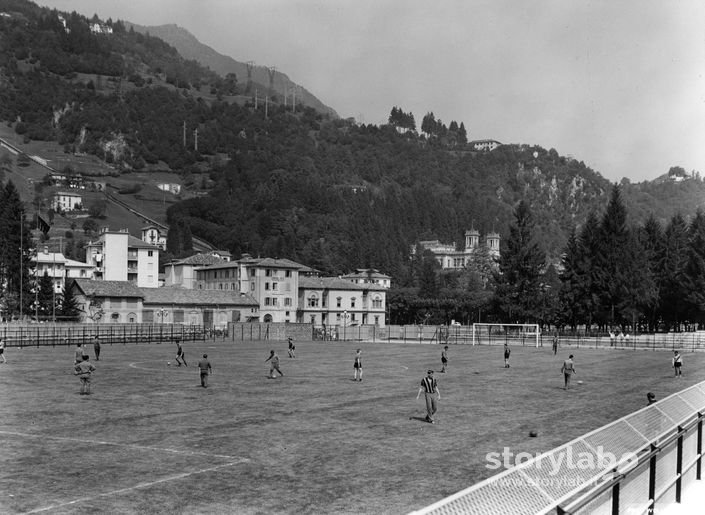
{"x": 117, "y": 256}
{"x": 334, "y": 301}
{"x": 451, "y": 259}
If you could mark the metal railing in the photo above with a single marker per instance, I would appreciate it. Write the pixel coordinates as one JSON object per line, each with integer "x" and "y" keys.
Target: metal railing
{"x": 638, "y": 464}
{"x": 38, "y": 335}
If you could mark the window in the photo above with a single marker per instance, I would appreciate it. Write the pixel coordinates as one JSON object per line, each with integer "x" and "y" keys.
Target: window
{"x": 252, "y": 286}
{"x": 275, "y": 301}
{"x": 275, "y": 286}
{"x": 339, "y": 302}
{"x": 377, "y": 320}
{"x": 150, "y": 253}
{"x": 266, "y": 286}
{"x": 377, "y": 302}
{"x": 267, "y": 301}
{"x": 352, "y": 302}
{"x": 268, "y": 272}
{"x": 288, "y": 273}
{"x": 287, "y": 301}
{"x": 313, "y": 301}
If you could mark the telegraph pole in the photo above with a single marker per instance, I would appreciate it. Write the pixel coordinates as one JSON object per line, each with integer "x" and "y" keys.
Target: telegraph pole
{"x": 195, "y": 140}
{"x": 271, "y": 70}
{"x": 250, "y": 67}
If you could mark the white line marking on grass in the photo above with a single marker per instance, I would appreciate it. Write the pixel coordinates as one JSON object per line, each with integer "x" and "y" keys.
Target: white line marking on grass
{"x": 129, "y": 445}
{"x": 405, "y": 368}
{"x": 136, "y": 487}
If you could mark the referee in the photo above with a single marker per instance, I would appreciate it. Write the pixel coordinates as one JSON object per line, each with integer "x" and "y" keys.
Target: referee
{"x": 429, "y": 386}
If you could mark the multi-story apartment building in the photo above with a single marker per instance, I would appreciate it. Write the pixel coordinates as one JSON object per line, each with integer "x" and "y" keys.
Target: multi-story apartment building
{"x": 154, "y": 236}
{"x": 117, "y": 256}
{"x": 272, "y": 282}
{"x": 59, "y": 268}
{"x": 334, "y": 301}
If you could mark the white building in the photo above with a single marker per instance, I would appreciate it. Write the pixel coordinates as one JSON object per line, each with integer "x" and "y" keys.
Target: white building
{"x": 333, "y": 301}
{"x": 66, "y": 201}
{"x": 117, "y": 256}
{"x": 59, "y": 268}
{"x": 153, "y": 235}
{"x": 369, "y": 276}
{"x": 451, "y": 259}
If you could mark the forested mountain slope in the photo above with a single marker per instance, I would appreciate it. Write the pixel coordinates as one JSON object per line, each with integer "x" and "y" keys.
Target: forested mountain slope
{"x": 304, "y": 185}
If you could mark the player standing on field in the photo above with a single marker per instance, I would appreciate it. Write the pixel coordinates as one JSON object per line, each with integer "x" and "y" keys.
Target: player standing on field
{"x": 429, "y": 386}
{"x": 2, "y": 349}
{"x": 444, "y": 359}
{"x": 677, "y": 363}
{"x": 507, "y": 353}
{"x": 568, "y": 369}
{"x": 204, "y": 366}
{"x": 96, "y": 347}
{"x": 357, "y": 366}
{"x": 83, "y": 370}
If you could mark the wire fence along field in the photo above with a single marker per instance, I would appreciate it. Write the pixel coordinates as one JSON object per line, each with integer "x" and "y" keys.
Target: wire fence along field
{"x": 37, "y": 335}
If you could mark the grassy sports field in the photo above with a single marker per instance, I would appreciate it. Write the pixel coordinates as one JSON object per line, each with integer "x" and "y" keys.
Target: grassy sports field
{"x": 151, "y": 440}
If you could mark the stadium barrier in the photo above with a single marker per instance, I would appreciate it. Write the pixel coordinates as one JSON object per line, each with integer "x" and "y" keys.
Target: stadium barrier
{"x": 640, "y": 464}
{"x": 38, "y": 335}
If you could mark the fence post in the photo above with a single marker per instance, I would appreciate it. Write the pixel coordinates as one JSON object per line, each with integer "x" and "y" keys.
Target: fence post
{"x": 652, "y": 480}
{"x": 698, "y": 467}
{"x": 679, "y": 464}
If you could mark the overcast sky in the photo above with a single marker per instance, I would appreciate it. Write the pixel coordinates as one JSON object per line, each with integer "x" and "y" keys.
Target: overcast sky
{"x": 617, "y": 84}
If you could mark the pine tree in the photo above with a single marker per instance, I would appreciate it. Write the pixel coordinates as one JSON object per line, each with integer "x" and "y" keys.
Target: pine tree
{"x": 69, "y": 310}
{"x": 15, "y": 251}
{"x": 520, "y": 266}
{"x": 671, "y": 276}
{"x": 694, "y": 272}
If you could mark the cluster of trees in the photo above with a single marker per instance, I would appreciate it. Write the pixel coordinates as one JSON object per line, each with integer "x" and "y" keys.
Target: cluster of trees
{"x": 399, "y": 118}
{"x": 452, "y": 135}
{"x": 613, "y": 273}
{"x": 21, "y": 291}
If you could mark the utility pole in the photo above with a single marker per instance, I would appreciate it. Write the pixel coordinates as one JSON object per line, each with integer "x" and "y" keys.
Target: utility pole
{"x": 250, "y": 67}
{"x": 21, "y": 261}
{"x": 184, "y": 134}
{"x": 256, "y": 99}
{"x": 195, "y": 140}
{"x": 271, "y": 70}
{"x": 266, "y": 107}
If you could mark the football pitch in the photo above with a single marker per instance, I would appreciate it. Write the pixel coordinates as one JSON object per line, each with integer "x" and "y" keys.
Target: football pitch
{"x": 149, "y": 439}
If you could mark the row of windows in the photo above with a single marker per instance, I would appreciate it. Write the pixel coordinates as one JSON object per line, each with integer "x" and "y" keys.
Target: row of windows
{"x": 313, "y": 302}
{"x": 274, "y": 301}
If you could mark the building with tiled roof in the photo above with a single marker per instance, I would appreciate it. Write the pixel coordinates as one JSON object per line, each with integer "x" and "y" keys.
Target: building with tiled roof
{"x": 107, "y": 301}
{"x": 336, "y": 301}
{"x": 180, "y": 272}
{"x": 273, "y": 282}
{"x": 369, "y": 276}
{"x": 117, "y": 256}
{"x": 123, "y": 302}
{"x": 212, "y": 308}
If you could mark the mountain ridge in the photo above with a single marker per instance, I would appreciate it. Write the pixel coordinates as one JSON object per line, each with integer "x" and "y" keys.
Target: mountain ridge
{"x": 191, "y": 48}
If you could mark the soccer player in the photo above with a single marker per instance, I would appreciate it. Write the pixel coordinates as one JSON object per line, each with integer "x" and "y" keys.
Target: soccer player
{"x": 429, "y": 386}
{"x": 357, "y": 366}
{"x": 96, "y": 347}
{"x": 677, "y": 363}
{"x": 507, "y": 353}
{"x": 83, "y": 370}
{"x": 2, "y": 349}
{"x": 204, "y": 366}
{"x": 180, "y": 354}
{"x": 651, "y": 398}
{"x": 292, "y": 348}
{"x": 568, "y": 369}
{"x": 274, "y": 364}
{"x": 554, "y": 345}
{"x": 78, "y": 355}
{"x": 444, "y": 359}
